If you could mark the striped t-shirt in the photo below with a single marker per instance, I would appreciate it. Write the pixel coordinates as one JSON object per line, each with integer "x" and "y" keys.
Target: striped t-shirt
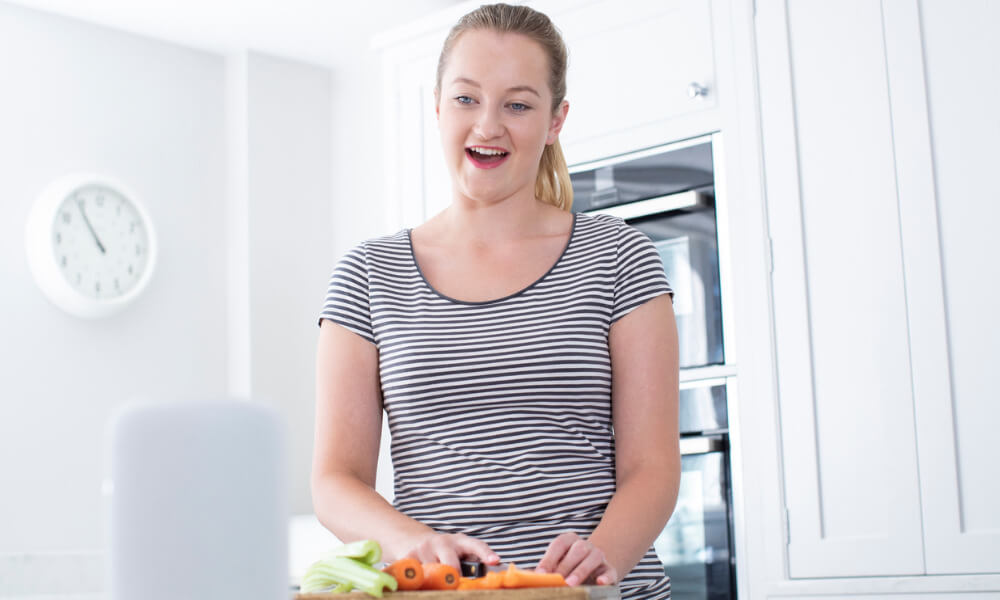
{"x": 500, "y": 411}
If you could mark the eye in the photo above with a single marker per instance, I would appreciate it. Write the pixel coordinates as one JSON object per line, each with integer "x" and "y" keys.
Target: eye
{"x": 519, "y": 107}
{"x": 464, "y": 100}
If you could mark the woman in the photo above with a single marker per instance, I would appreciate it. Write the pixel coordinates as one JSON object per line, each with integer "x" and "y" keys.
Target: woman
{"x": 504, "y": 338}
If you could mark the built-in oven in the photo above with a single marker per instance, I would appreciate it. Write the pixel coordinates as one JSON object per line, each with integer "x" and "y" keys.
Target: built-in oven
{"x": 669, "y": 193}
{"x": 696, "y": 546}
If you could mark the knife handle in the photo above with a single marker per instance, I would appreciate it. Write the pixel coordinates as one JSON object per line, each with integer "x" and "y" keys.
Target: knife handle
{"x": 473, "y": 569}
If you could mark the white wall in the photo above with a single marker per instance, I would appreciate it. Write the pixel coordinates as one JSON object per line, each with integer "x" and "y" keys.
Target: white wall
{"x": 290, "y": 247}
{"x": 259, "y": 173}
{"x": 166, "y": 120}
{"x": 78, "y": 97}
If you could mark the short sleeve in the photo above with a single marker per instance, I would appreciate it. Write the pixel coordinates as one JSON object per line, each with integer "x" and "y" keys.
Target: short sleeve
{"x": 348, "y": 302}
{"x": 639, "y": 274}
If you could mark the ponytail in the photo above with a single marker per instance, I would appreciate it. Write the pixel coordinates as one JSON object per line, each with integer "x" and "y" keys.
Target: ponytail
{"x": 553, "y": 185}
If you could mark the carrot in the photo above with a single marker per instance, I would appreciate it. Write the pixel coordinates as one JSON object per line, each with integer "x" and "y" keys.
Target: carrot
{"x": 470, "y": 583}
{"x": 409, "y": 573}
{"x": 516, "y": 578}
{"x": 490, "y": 581}
{"x": 438, "y": 576}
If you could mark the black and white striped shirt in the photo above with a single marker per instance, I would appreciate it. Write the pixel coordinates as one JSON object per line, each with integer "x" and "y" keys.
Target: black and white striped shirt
{"x": 500, "y": 411}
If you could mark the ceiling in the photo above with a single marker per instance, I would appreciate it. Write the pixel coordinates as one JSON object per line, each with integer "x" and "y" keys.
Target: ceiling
{"x": 322, "y": 32}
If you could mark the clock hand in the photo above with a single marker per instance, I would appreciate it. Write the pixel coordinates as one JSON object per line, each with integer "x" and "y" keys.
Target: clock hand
{"x": 79, "y": 203}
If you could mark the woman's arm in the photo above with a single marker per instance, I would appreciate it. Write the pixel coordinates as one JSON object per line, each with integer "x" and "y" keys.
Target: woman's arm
{"x": 644, "y": 392}
{"x": 345, "y": 457}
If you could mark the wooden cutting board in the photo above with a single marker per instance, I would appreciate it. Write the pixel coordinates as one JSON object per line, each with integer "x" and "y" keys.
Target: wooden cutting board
{"x": 582, "y": 592}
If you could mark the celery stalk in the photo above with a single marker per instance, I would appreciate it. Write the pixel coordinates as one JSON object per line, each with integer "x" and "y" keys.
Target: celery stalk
{"x": 366, "y": 551}
{"x": 342, "y": 570}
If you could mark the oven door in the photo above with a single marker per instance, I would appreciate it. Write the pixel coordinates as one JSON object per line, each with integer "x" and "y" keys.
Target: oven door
{"x": 694, "y": 547}
{"x": 669, "y": 195}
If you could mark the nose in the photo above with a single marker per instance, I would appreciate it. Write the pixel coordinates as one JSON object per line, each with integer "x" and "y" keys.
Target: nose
{"x": 488, "y": 124}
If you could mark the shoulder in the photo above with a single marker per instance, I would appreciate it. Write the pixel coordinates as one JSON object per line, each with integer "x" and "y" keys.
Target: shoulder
{"x": 611, "y": 229}
{"x": 378, "y": 248}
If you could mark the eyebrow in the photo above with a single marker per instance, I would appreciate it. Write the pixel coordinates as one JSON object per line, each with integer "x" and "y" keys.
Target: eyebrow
{"x": 516, "y": 88}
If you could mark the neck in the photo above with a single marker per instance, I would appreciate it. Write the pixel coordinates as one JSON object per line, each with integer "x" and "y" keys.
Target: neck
{"x": 511, "y": 219}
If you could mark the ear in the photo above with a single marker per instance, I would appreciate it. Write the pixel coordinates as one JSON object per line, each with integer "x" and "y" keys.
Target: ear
{"x": 558, "y": 118}
{"x": 437, "y": 103}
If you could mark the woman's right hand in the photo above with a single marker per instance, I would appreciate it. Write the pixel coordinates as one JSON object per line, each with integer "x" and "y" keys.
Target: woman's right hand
{"x": 450, "y": 548}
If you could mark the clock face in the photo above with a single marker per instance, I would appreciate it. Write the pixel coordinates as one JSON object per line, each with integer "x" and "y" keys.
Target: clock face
{"x": 100, "y": 242}
{"x": 90, "y": 244}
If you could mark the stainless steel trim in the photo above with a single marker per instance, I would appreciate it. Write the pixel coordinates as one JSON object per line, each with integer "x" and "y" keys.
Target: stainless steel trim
{"x": 723, "y": 233}
{"x": 703, "y": 383}
{"x": 703, "y": 373}
{"x": 701, "y": 445}
{"x": 653, "y": 206}
{"x": 613, "y": 160}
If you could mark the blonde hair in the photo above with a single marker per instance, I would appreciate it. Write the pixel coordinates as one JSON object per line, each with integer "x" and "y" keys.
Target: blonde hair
{"x": 552, "y": 184}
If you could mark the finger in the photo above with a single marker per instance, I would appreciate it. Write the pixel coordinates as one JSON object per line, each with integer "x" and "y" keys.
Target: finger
{"x": 606, "y": 575}
{"x": 574, "y": 556}
{"x": 587, "y": 566}
{"x": 470, "y": 546}
{"x": 445, "y": 553}
{"x": 555, "y": 552}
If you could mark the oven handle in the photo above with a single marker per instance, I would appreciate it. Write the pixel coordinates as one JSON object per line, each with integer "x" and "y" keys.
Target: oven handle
{"x": 660, "y": 204}
{"x": 701, "y": 445}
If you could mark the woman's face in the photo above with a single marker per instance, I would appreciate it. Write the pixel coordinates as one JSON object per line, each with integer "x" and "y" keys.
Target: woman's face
{"x": 495, "y": 114}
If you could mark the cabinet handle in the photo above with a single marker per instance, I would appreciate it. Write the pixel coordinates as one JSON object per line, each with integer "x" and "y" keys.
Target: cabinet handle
{"x": 696, "y": 90}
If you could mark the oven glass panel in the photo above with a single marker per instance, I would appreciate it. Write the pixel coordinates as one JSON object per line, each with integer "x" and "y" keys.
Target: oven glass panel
{"x": 687, "y": 245}
{"x": 703, "y": 409}
{"x": 669, "y": 196}
{"x": 643, "y": 178}
{"x": 694, "y": 547}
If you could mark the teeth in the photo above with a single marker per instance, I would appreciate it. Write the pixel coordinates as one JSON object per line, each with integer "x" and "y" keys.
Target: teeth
{"x": 487, "y": 152}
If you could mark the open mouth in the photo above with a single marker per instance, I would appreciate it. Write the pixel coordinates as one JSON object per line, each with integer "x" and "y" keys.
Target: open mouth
{"x": 486, "y": 156}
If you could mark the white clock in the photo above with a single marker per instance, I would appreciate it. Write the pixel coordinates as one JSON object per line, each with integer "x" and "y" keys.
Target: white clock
{"x": 90, "y": 244}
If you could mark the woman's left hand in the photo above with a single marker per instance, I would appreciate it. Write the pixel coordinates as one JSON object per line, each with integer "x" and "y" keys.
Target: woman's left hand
{"x": 577, "y": 560}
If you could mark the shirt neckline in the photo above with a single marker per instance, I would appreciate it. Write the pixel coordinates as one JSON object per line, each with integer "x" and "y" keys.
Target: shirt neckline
{"x": 413, "y": 259}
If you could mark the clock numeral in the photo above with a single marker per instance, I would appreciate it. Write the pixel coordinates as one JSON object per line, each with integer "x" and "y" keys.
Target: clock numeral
{"x": 97, "y": 287}
{"x": 66, "y": 216}
{"x": 117, "y": 286}
{"x": 138, "y": 250}
{"x": 59, "y": 238}
{"x": 79, "y": 277}
{"x": 130, "y": 269}
{"x": 64, "y": 261}
{"x": 118, "y": 211}
{"x": 131, "y": 227}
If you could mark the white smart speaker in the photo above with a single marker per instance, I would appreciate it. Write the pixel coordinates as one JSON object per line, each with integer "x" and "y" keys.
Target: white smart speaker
{"x": 197, "y": 502}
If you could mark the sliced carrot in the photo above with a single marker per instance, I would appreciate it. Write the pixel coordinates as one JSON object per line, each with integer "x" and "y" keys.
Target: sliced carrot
{"x": 438, "y": 576}
{"x": 470, "y": 583}
{"x": 409, "y": 573}
{"x": 516, "y": 578}
{"x": 490, "y": 581}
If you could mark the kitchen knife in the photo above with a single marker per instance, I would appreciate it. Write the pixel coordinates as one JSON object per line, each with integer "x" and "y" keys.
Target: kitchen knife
{"x": 474, "y": 569}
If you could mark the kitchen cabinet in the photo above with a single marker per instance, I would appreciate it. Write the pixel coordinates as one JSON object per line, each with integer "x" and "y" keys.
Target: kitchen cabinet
{"x": 640, "y": 73}
{"x": 876, "y": 120}
{"x": 858, "y": 147}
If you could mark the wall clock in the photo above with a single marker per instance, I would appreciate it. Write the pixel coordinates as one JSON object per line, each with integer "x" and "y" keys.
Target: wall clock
{"x": 91, "y": 245}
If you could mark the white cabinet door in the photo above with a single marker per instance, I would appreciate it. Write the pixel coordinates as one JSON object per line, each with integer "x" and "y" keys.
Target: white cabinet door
{"x": 631, "y": 69}
{"x": 434, "y": 191}
{"x": 416, "y": 178}
{"x": 840, "y": 312}
{"x": 950, "y": 205}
